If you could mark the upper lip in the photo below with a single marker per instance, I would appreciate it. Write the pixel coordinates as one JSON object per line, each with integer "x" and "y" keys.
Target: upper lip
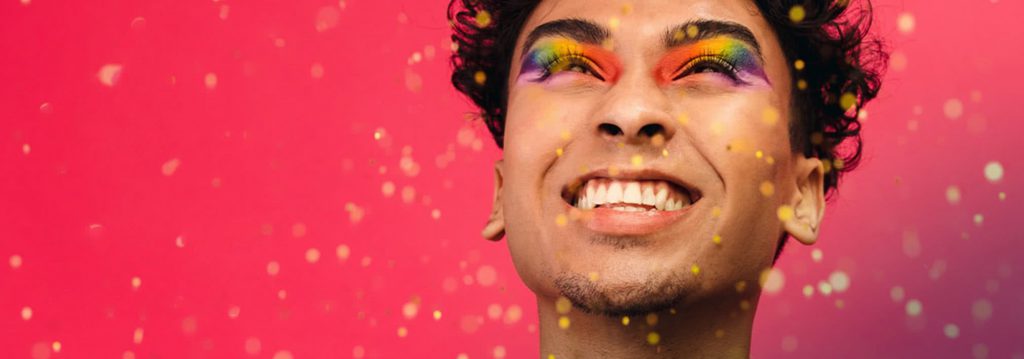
{"x": 571, "y": 189}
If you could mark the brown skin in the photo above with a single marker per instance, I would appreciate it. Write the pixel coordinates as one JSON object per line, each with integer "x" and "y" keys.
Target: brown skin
{"x": 714, "y": 152}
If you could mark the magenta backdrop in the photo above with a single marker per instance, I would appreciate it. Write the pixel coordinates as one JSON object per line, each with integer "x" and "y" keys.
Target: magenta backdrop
{"x": 296, "y": 179}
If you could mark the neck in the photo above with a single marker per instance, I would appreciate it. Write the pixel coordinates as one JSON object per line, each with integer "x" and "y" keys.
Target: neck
{"x": 713, "y": 328}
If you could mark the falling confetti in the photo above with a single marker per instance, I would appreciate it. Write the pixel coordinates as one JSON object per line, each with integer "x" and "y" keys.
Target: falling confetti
{"x": 110, "y": 74}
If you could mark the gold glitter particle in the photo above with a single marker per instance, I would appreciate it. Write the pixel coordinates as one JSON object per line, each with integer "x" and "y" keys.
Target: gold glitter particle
{"x": 637, "y": 160}
{"x": 483, "y": 18}
{"x": 499, "y": 352}
{"x": 717, "y": 127}
{"x": 486, "y": 275}
{"x": 408, "y": 194}
{"x": 136, "y": 282}
{"x": 816, "y": 255}
{"x": 26, "y": 313}
{"x": 897, "y": 294}
{"x": 692, "y": 30}
{"x": 26, "y": 149}
{"x": 210, "y": 80}
{"x": 770, "y": 116}
{"x": 658, "y": 140}
{"x": 1002, "y": 196}
{"x": 137, "y": 336}
{"x": 563, "y": 305}
{"x": 563, "y": 322}
{"x": 717, "y": 239}
{"x": 981, "y": 310}
{"x": 914, "y": 307}
{"x": 593, "y": 276}
{"x": 840, "y": 281}
{"x": 952, "y": 331}
{"x": 785, "y": 213}
{"x": 953, "y": 109}
{"x": 678, "y": 35}
{"x": 664, "y": 152}
{"x": 653, "y": 338}
{"x": 312, "y": 255}
{"x": 801, "y": 84}
{"x": 953, "y": 194}
{"x": 561, "y": 220}
{"x": 847, "y": 101}
{"x": 808, "y": 290}
{"x": 905, "y": 22}
{"x": 825, "y": 288}
{"x": 651, "y": 319}
{"x": 273, "y": 268}
{"x": 683, "y": 119}
{"x": 978, "y": 219}
{"x": 170, "y": 166}
{"x": 56, "y": 346}
{"x": 566, "y": 135}
{"x": 745, "y": 305}
{"x": 759, "y": 154}
{"x": 772, "y": 280}
{"x": 741, "y": 286}
{"x": 559, "y": 151}
{"x": 342, "y": 252}
{"x": 253, "y": 346}
{"x": 799, "y": 64}
{"x": 462, "y": 356}
{"x": 797, "y": 13}
{"x": 387, "y": 189}
{"x": 614, "y": 23}
{"x": 993, "y": 171}
{"x": 627, "y": 8}
{"x": 613, "y": 170}
{"x": 403, "y": 332}
{"x": 298, "y": 230}
{"x": 625, "y": 320}
{"x": 437, "y": 315}
{"x": 15, "y": 261}
{"x": 695, "y": 269}
{"x": 316, "y": 71}
{"x": 435, "y": 213}
{"x": 480, "y": 77}
{"x": 234, "y": 312}
{"x": 767, "y": 189}
{"x": 716, "y": 211}
{"x": 110, "y": 74}
{"x": 513, "y": 314}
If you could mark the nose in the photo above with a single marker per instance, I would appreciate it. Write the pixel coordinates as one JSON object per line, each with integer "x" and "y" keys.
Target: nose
{"x": 635, "y": 113}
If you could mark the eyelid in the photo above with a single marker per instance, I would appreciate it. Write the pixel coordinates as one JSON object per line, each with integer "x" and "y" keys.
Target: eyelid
{"x": 697, "y": 60}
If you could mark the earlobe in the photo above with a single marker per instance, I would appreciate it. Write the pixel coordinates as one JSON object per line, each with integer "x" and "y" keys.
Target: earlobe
{"x": 808, "y": 201}
{"x": 495, "y": 228}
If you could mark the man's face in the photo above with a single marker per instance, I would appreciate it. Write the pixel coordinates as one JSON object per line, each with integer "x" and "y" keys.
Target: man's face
{"x": 645, "y": 160}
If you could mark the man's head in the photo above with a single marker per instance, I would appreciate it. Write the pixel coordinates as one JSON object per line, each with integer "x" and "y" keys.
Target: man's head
{"x": 659, "y": 152}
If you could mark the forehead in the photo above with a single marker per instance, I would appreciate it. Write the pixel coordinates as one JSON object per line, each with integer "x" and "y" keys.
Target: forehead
{"x": 641, "y": 24}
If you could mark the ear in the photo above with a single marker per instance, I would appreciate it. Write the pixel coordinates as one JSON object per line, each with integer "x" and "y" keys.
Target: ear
{"x": 808, "y": 201}
{"x": 495, "y": 227}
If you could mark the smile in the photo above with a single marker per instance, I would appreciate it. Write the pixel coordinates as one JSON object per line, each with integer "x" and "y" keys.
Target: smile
{"x": 629, "y": 203}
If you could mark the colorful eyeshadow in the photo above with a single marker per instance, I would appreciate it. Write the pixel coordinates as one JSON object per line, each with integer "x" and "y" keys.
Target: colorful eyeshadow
{"x": 557, "y": 55}
{"x": 738, "y": 55}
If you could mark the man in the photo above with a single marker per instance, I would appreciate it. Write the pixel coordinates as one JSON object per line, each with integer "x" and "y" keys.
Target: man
{"x": 658, "y": 154}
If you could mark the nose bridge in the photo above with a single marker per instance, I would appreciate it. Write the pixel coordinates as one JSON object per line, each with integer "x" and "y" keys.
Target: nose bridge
{"x": 637, "y": 107}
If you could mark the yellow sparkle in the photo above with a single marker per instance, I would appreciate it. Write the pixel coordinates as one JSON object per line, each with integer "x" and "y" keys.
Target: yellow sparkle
{"x": 994, "y": 171}
{"x": 342, "y": 252}
{"x": 816, "y": 255}
{"x": 767, "y": 189}
{"x": 914, "y": 307}
{"x": 695, "y": 269}
{"x": 561, "y": 220}
{"x": 837, "y": 163}
{"x": 312, "y": 255}
{"x": 26, "y": 313}
{"x": 797, "y": 13}
{"x": 741, "y": 286}
{"x": 136, "y": 282}
{"x": 759, "y": 154}
{"x": 480, "y": 77}
{"x": 563, "y": 322}
{"x": 978, "y": 219}
{"x": 614, "y": 23}
{"x": 437, "y": 315}
{"x": 551, "y": 356}
{"x": 716, "y": 211}
{"x": 56, "y": 347}
{"x": 801, "y": 84}
{"x": 847, "y": 100}
{"x": 683, "y": 119}
{"x": 625, "y": 320}
{"x": 273, "y": 268}
{"x": 402, "y": 332}
{"x": 593, "y": 276}
{"x": 905, "y": 22}
{"x": 377, "y": 135}
{"x": 785, "y": 213}
{"x": 799, "y": 64}
{"x": 770, "y": 116}
{"x": 1002, "y": 196}
{"x": 559, "y": 151}
{"x": 563, "y": 305}
{"x": 15, "y": 261}
{"x": 717, "y": 239}
{"x": 692, "y": 30}
{"x": 483, "y": 18}
{"x": 678, "y": 35}
{"x": 627, "y": 8}
{"x": 653, "y": 338}
{"x": 658, "y": 140}
{"x": 566, "y": 135}
{"x": 664, "y": 152}
{"x": 613, "y": 170}
{"x": 651, "y": 319}
{"x": 637, "y": 160}
{"x": 808, "y": 290}
{"x": 137, "y": 336}
{"x": 745, "y": 305}
{"x": 717, "y": 127}
{"x": 769, "y": 159}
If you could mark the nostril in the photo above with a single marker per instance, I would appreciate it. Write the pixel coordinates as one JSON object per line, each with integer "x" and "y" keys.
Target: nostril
{"x": 609, "y": 129}
{"x": 651, "y": 129}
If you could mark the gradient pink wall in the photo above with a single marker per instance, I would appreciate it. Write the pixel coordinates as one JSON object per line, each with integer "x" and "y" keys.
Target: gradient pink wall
{"x": 237, "y": 140}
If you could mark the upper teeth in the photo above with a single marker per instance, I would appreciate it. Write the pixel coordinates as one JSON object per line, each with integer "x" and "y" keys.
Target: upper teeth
{"x": 631, "y": 196}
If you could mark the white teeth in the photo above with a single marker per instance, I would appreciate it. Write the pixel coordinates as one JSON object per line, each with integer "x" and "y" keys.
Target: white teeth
{"x": 660, "y": 198}
{"x": 590, "y": 191}
{"x": 632, "y": 193}
{"x": 649, "y": 198}
{"x": 672, "y": 205}
{"x": 614, "y": 192}
{"x": 600, "y": 195}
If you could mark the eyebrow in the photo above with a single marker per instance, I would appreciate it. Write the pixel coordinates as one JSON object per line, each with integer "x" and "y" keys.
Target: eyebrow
{"x": 588, "y": 32}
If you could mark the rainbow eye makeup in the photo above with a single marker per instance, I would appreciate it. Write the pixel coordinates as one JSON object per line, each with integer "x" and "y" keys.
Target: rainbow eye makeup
{"x": 727, "y": 56}
{"x": 561, "y": 55}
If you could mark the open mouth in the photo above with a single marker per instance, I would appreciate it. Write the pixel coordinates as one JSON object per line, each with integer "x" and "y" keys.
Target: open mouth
{"x": 629, "y": 194}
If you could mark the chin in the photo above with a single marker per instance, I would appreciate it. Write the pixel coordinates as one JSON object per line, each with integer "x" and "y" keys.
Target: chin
{"x": 617, "y": 297}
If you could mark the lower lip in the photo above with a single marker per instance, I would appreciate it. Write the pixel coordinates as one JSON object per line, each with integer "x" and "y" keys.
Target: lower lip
{"x": 622, "y": 223}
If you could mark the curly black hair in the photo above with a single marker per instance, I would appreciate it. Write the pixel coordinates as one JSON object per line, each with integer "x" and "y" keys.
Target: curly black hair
{"x": 841, "y": 68}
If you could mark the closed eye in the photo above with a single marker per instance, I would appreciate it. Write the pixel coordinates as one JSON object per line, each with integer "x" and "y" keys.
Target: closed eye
{"x": 707, "y": 64}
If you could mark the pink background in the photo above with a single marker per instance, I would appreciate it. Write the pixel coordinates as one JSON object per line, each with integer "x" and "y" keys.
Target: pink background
{"x": 238, "y": 136}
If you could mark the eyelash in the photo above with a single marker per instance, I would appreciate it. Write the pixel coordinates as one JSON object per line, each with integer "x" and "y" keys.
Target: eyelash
{"x": 709, "y": 61}
{"x": 567, "y": 61}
